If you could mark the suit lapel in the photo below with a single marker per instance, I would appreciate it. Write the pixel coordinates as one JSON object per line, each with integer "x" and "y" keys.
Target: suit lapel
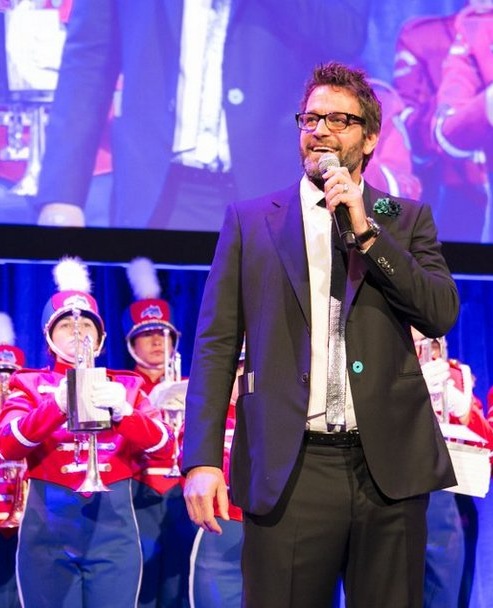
{"x": 286, "y": 228}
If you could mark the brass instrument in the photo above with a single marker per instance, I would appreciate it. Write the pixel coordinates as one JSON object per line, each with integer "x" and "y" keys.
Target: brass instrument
{"x": 172, "y": 360}
{"x": 172, "y": 406}
{"x": 169, "y": 397}
{"x": 430, "y": 349}
{"x": 12, "y": 470}
{"x": 28, "y": 185}
{"x": 4, "y": 385}
{"x": 14, "y": 118}
{"x": 84, "y": 420}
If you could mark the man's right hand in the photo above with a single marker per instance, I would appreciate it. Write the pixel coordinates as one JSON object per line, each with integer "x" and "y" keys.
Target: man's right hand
{"x": 202, "y": 486}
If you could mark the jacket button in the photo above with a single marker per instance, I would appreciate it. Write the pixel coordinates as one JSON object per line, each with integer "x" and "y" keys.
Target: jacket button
{"x": 236, "y": 96}
{"x": 304, "y": 377}
{"x": 357, "y": 367}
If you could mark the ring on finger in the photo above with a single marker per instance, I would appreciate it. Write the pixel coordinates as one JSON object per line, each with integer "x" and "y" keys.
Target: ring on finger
{"x": 345, "y": 188}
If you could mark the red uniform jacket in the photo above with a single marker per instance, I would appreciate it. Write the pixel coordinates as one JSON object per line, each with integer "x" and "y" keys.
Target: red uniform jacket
{"x": 33, "y": 427}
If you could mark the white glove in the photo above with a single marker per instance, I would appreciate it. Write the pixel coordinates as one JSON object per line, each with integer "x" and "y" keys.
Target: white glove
{"x": 171, "y": 395}
{"x": 459, "y": 402}
{"x": 156, "y": 393}
{"x": 60, "y": 394}
{"x": 111, "y": 396}
{"x": 436, "y": 373}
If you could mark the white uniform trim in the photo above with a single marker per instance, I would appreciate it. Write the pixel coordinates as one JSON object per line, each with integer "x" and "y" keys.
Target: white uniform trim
{"x": 448, "y": 147}
{"x": 164, "y": 439}
{"x": 14, "y": 425}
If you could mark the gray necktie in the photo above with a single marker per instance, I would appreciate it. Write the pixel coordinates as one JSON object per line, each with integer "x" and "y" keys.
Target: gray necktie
{"x": 336, "y": 377}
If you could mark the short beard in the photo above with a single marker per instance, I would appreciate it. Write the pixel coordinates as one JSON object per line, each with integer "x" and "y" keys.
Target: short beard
{"x": 313, "y": 172}
{"x": 352, "y": 159}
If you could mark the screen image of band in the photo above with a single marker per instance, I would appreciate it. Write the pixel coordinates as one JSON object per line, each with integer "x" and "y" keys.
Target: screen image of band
{"x": 144, "y": 145}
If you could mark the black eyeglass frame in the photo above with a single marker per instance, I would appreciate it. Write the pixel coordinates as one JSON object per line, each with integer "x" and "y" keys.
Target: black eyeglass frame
{"x": 350, "y": 119}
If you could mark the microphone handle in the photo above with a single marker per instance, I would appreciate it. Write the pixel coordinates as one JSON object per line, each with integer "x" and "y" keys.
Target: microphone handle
{"x": 344, "y": 226}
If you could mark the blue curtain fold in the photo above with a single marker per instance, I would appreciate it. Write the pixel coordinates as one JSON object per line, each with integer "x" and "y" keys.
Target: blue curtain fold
{"x": 26, "y": 286}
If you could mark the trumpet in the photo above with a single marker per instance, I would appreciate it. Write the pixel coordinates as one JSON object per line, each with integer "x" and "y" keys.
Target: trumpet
{"x": 13, "y": 470}
{"x": 430, "y": 349}
{"x": 172, "y": 359}
{"x": 169, "y": 397}
{"x": 83, "y": 419}
{"x": 28, "y": 185}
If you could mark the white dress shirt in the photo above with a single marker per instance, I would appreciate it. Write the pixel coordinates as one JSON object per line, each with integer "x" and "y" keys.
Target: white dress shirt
{"x": 317, "y": 223}
{"x": 201, "y": 138}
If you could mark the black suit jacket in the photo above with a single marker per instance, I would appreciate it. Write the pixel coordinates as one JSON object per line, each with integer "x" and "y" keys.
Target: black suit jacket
{"x": 259, "y": 284}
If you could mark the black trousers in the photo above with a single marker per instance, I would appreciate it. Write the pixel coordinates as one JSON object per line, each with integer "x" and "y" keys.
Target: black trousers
{"x": 333, "y": 521}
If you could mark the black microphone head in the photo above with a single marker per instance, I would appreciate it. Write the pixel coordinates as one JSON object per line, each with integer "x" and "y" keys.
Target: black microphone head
{"x": 329, "y": 159}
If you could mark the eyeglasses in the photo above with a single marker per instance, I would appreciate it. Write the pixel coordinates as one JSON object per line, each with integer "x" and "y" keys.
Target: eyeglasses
{"x": 334, "y": 121}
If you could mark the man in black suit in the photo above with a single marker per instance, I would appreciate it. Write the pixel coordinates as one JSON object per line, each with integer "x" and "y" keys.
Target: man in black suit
{"x": 325, "y": 491}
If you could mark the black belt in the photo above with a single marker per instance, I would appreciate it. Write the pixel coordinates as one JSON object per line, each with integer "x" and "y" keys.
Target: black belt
{"x": 349, "y": 439}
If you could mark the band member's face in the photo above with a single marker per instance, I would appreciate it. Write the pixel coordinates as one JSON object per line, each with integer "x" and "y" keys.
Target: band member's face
{"x": 348, "y": 145}
{"x": 149, "y": 346}
{"x": 64, "y": 334}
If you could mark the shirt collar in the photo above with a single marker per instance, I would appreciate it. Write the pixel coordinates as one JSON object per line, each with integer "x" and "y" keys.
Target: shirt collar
{"x": 311, "y": 195}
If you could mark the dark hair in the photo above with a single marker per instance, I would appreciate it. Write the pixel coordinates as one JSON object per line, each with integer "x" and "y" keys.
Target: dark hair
{"x": 353, "y": 80}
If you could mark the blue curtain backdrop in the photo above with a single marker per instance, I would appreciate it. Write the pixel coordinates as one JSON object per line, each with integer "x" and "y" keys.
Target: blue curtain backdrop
{"x": 27, "y": 286}
{"x": 471, "y": 340}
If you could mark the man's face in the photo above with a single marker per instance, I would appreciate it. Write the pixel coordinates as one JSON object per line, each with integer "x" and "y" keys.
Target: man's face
{"x": 349, "y": 145}
{"x": 149, "y": 346}
{"x": 63, "y": 334}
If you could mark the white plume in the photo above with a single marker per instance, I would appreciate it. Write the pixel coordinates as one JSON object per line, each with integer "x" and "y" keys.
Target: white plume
{"x": 143, "y": 279}
{"x": 7, "y": 334}
{"x": 71, "y": 274}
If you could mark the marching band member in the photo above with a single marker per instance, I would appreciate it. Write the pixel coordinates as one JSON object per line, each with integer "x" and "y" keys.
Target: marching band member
{"x": 464, "y": 116}
{"x": 77, "y": 548}
{"x": 12, "y": 358}
{"x": 452, "y": 538}
{"x": 166, "y": 531}
{"x": 448, "y": 175}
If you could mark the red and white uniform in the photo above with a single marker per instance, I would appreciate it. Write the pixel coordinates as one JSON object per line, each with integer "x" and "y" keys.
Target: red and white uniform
{"x": 476, "y": 421}
{"x": 391, "y": 167}
{"x": 91, "y": 537}
{"x": 465, "y": 99}
{"x": 33, "y": 427}
{"x": 480, "y": 424}
{"x": 421, "y": 48}
{"x": 152, "y": 468}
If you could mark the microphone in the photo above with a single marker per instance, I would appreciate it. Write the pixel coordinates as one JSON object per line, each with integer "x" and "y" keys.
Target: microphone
{"x": 341, "y": 213}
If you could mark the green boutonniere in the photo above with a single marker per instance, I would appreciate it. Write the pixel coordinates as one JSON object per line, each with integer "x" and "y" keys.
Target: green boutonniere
{"x": 386, "y": 206}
